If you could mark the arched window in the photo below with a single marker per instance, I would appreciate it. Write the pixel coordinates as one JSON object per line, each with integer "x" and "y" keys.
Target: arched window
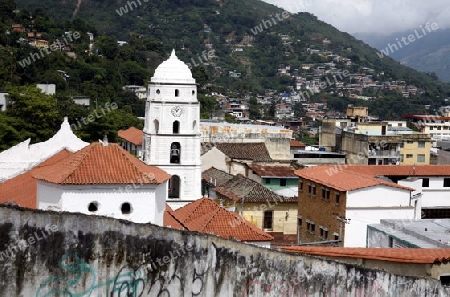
{"x": 194, "y": 126}
{"x": 175, "y": 152}
{"x": 176, "y": 127}
{"x": 156, "y": 126}
{"x": 177, "y": 93}
{"x": 125, "y": 208}
{"x": 193, "y": 92}
{"x": 158, "y": 91}
{"x": 174, "y": 187}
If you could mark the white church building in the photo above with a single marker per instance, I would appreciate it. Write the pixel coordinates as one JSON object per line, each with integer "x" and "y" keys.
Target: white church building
{"x": 171, "y": 131}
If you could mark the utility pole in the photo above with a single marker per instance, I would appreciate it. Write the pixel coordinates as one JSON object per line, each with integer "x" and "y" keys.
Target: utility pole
{"x": 341, "y": 220}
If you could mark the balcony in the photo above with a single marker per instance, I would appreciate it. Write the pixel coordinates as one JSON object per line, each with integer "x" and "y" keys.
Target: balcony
{"x": 384, "y": 154}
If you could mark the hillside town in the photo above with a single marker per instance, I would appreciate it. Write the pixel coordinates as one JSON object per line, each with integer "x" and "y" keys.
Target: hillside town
{"x": 368, "y": 184}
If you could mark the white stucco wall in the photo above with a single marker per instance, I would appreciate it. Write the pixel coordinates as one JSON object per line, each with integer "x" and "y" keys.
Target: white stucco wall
{"x": 147, "y": 201}
{"x": 436, "y": 195}
{"x": 214, "y": 158}
{"x": 369, "y": 205}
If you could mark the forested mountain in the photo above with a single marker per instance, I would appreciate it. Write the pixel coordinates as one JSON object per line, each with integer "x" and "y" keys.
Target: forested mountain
{"x": 193, "y": 26}
{"x": 237, "y": 47}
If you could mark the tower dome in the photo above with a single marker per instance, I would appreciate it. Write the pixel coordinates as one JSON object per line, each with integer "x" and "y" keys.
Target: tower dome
{"x": 173, "y": 70}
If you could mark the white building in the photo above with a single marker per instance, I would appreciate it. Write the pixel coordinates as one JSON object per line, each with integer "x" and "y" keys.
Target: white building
{"x": 394, "y": 233}
{"x": 171, "y": 130}
{"x": 3, "y": 101}
{"x": 104, "y": 180}
{"x": 23, "y": 156}
{"x": 49, "y": 89}
{"x": 140, "y": 91}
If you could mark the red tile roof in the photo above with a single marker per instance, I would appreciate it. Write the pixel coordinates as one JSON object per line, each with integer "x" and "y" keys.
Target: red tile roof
{"x": 204, "y": 215}
{"x": 402, "y": 170}
{"x": 99, "y": 164}
{"x": 342, "y": 179}
{"x": 295, "y": 143}
{"x": 256, "y": 151}
{"x": 273, "y": 171}
{"x": 216, "y": 177}
{"x": 22, "y": 188}
{"x": 132, "y": 134}
{"x": 402, "y": 255}
{"x": 170, "y": 220}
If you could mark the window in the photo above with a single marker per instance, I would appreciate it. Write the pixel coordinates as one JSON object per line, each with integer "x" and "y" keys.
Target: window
{"x": 299, "y": 222}
{"x": 420, "y": 158}
{"x": 193, "y": 92}
{"x": 93, "y": 206}
{"x": 446, "y": 182}
{"x": 174, "y": 187}
{"x": 268, "y": 220}
{"x": 439, "y": 127}
{"x": 431, "y": 128}
{"x": 309, "y": 189}
{"x": 391, "y": 241}
{"x": 268, "y": 181}
{"x": 282, "y": 182}
{"x": 194, "y": 126}
{"x": 401, "y": 145}
{"x": 336, "y": 236}
{"x": 409, "y": 156}
{"x": 310, "y": 227}
{"x": 425, "y": 182}
{"x": 326, "y": 194}
{"x": 421, "y": 144}
{"x": 401, "y": 158}
{"x": 156, "y": 126}
{"x": 314, "y": 190}
{"x": 338, "y": 198}
{"x": 323, "y": 233}
{"x": 300, "y": 185}
{"x": 176, "y": 127}
{"x": 125, "y": 208}
{"x": 158, "y": 91}
{"x": 177, "y": 93}
{"x": 175, "y": 152}
{"x": 409, "y": 141}
{"x": 445, "y": 280}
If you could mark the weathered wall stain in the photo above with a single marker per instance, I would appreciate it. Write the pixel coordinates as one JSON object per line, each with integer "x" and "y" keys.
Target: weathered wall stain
{"x": 103, "y": 257}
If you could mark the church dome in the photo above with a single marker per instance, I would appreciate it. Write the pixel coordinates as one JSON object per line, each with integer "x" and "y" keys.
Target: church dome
{"x": 173, "y": 70}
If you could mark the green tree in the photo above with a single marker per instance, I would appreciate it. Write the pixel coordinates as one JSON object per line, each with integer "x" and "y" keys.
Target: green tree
{"x": 35, "y": 112}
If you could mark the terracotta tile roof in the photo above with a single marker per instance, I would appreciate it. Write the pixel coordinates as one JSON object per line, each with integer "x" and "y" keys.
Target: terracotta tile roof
{"x": 170, "y": 220}
{"x": 204, "y": 215}
{"x": 402, "y": 170}
{"x": 132, "y": 134}
{"x": 273, "y": 171}
{"x": 216, "y": 177}
{"x": 403, "y": 255}
{"x": 98, "y": 164}
{"x": 295, "y": 143}
{"x": 256, "y": 152}
{"x": 339, "y": 178}
{"x": 22, "y": 188}
{"x": 244, "y": 189}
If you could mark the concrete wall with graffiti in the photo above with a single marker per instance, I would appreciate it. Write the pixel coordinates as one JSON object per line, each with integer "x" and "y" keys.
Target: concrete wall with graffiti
{"x": 45, "y": 254}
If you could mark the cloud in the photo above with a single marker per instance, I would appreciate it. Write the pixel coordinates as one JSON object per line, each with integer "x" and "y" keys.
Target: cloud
{"x": 374, "y": 16}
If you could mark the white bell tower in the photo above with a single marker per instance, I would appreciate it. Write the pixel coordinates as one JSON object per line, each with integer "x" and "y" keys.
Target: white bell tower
{"x": 171, "y": 130}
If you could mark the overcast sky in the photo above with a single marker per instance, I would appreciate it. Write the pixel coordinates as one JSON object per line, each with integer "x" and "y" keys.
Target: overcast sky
{"x": 381, "y": 16}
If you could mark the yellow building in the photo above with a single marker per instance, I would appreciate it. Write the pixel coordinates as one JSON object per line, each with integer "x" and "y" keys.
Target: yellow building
{"x": 274, "y": 214}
